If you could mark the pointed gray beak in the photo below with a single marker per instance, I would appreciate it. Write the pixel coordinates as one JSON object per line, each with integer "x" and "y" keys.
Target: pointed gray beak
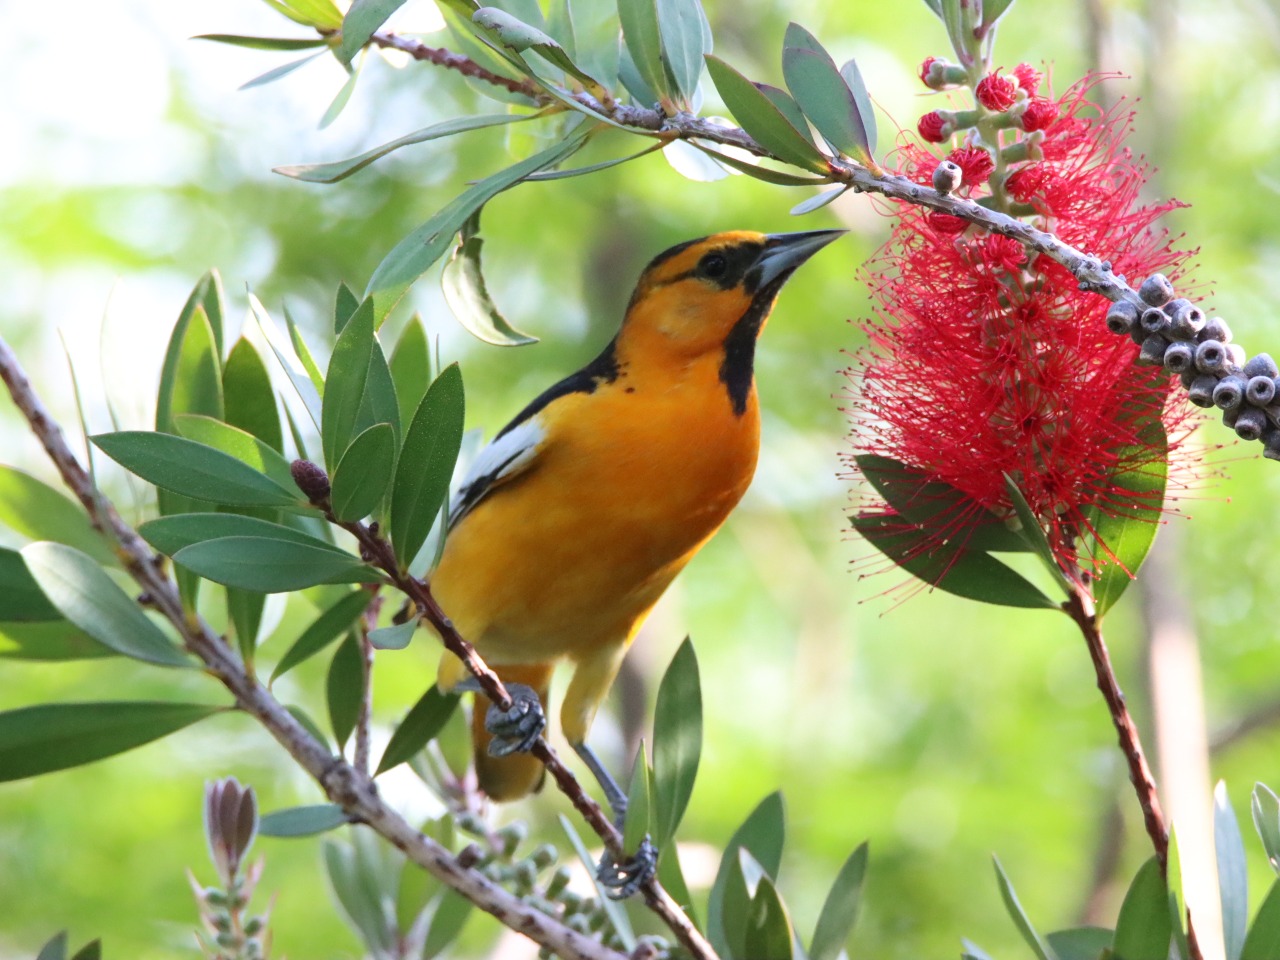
{"x": 784, "y": 252}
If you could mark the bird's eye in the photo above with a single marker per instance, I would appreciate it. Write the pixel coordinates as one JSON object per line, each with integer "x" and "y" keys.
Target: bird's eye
{"x": 713, "y": 265}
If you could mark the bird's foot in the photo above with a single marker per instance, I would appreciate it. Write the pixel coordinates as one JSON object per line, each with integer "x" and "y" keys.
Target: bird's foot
{"x": 516, "y": 729}
{"x": 622, "y": 880}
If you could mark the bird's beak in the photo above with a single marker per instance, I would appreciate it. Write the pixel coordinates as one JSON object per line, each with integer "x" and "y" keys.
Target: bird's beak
{"x": 784, "y": 252}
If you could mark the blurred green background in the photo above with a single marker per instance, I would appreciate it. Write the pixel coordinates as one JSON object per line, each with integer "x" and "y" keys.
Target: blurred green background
{"x": 940, "y": 730}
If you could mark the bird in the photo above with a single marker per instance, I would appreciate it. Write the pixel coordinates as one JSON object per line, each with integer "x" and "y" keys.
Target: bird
{"x": 572, "y": 522}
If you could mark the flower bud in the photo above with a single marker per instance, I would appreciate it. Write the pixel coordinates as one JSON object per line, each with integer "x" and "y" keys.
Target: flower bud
{"x": 1250, "y": 423}
{"x": 934, "y": 127}
{"x": 544, "y": 856}
{"x": 1185, "y": 318}
{"x": 511, "y": 836}
{"x": 1028, "y": 78}
{"x": 947, "y": 176}
{"x": 1154, "y": 320}
{"x": 1201, "y": 390}
{"x": 1180, "y": 357}
{"x": 1260, "y": 390}
{"x": 559, "y": 880}
{"x": 311, "y": 480}
{"x": 1039, "y": 114}
{"x": 1156, "y": 290}
{"x": 1212, "y": 357}
{"x": 1261, "y": 366}
{"x": 1121, "y": 317}
{"x": 1229, "y": 393}
{"x": 1153, "y": 348}
{"x": 1215, "y": 328}
{"x": 996, "y": 92}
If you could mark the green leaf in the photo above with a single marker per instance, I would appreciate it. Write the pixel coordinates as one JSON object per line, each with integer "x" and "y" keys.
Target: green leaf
{"x": 677, "y": 743}
{"x": 762, "y": 835}
{"x": 304, "y": 356}
{"x": 50, "y": 640}
{"x": 516, "y": 35}
{"x": 766, "y": 124}
{"x": 421, "y": 724}
{"x": 363, "y": 19}
{"x": 344, "y": 384}
{"x": 343, "y": 688}
{"x": 686, "y": 38}
{"x": 268, "y": 565}
{"x": 274, "y": 74}
{"x": 302, "y": 821}
{"x": 817, "y": 201}
{"x": 37, "y": 511}
{"x": 245, "y": 607}
{"x": 379, "y": 404}
{"x": 170, "y": 534}
{"x": 1031, "y": 531}
{"x": 248, "y": 396}
{"x": 55, "y": 949}
{"x": 411, "y": 367}
{"x": 840, "y": 909}
{"x": 468, "y": 297}
{"x": 1144, "y": 926}
{"x": 193, "y": 469}
{"x": 1127, "y": 529}
{"x": 307, "y": 387}
{"x": 311, "y": 13}
{"x": 594, "y": 167}
{"x": 768, "y": 934}
{"x": 1263, "y": 941}
{"x": 823, "y": 94}
{"x": 788, "y": 107}
{"x": 191, "y": 375}
{"x": 307, "y": 723}
{"x": 616, "y": 912}
{"x": 363, "y": 473}
{"x": 58, "y": 736}
{"x": 345, "y": 304}
{"x": 343, "y": 97}
{"x": 993, "y": 10}
{"x": 639, "y": 802}
{"x": 417, "y": 887}
{"x": 1265, "y": 807}
{"x": 642, "y": 35}
{"x": 671, "y": 876}
{"x": 1233, "y": 873}
{"x": 598, "y": 36}
{"x": 935, "y": 6}
{"x": 1019, "y": 916}
{"x": 21, "y": 598}
{"x": 237, "y": 443}
{"x": 449, "y": 917}
{"x": 263, "y": 43}
{"x": 90, "y": 951}
{"x": 322, "y": 631}
{"x": 395, "y": 637}
{"x": 358, "y": 873}
{"x": 767, "y": 174}
{"x": 1080, "y": 943}
{"x": 426, "y": 463}
{"x": 419, "y": 250}
{"x": 86, "y": 596}
{"x": 862, "y": 99}
{"x": 966, "y": 573}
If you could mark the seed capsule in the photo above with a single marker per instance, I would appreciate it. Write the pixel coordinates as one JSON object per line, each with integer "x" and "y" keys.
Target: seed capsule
{"x": 1215, "y": 328}
{"x": 1121, "y": 317}
{"x": 1185, "y": 318}
{"x": 1154, "y": 320}
{"x": 1251, "y": 423}
{"x": 1236, "y": 357}
{"x": 1153, "y": 348}
{"x": 1229, "y": 393}
{"x": 1156, "y": 290}
{"x": 1261, "y": 366}
{"x": 1211, "y": 357}
{"x": 1201, "y": 390}
{"x": 947, "y": 176}
{"x": 1260, "y": 390}
{"x": 1180, "y": 357}
{"x": 1229, "y": 417}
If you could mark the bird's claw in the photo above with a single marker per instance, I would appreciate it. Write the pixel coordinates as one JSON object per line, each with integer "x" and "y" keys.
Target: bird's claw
{"x": 622, "y": 880}
{"x": 516, "y": 729}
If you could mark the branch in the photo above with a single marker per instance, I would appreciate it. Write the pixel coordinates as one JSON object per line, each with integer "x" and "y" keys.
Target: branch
{"x": 345, "y": 785}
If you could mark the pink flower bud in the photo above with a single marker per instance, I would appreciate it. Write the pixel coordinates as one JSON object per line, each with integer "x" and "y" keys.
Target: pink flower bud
{"x": 934, "y": 127}
{"x": 996, "y": 92}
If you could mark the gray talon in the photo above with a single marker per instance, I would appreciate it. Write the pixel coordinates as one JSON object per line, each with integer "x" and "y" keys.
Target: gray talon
{"x": 623, "y": 880}
{"x": 517, "y": 729}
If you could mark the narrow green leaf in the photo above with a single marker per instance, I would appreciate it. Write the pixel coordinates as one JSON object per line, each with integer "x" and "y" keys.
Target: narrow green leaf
{"x": 1128, "y": 528}
{"x": 823, "y": 94}
{"x": 48, "y": 641}
{"x": 417, "y": 887}
{"x": 395, "y": 637}
{"x": 840, "y": 909}
{"x": 248, "y": 396}
{"x": 993, "y": 10}
{"x": 629, "y": 74}
{"x": 307, "y": 389}
{"x": 643, "y": 39}
{"x": 271, "y": 76}
{"x": 322, "y": 631}
{"x": 344, "y": 384}
{"x": 1263, "y": 941}
{"x": 1020, "y": 918}
{"x": 302, "y": 821}
{"x": 935, "y": 6}
{"x": 966, "y": 573}
{"x": 363, "y": 473}
{"x": 307, "y": 723}
{"x": 379, "y": 404}
{"x": 58, "y": 736}
{"x": 311, "y": 13}
{"x": 1144, "y": 925}
{"x": 238, "y": 443}
{"x": 1233, "y": 873}
{"x": 768, "y": 934}
{"x": 762, "y": 834}
{"x": 598, "y": 36}
{"x": 363, "y": 19}
{"x": 245, "y": 607}
{"x": 191, "y": 375}
{"x": 360, "y": 891}
{"x": 345, "y": 304}
{"x": 411, "y": 367}
{"x": 343, "y": 96}
{"x": 615, "y": 910}
{"x": 685, "y": 40}
{"x": 450, "y": 916}
{"x": 677, "y": 743}
{"x": 594, "y": 167}
{"x": 468, "y": 297}
{"x": 193, "y": 469}
{"x": 263, "y": 43}
{"x": 426, "y": 463}
{"x": 411, "y": 257}
{"x": 1265, "y": 807}
{"x": 817, "y": 201}
{"x": 421, "y": 724}
{"x": 639, "y": 803}
{"x": 1033, "y": 533}
{"x": 788, "y": 107}
{"x": 762, "y": 120}
{"x": 37, "y": 511}
{"x": 170, "y": 534}
{"x": 671, "y": 876}
{"x": 86, "y": 596}
{"x": 90, "y": 951}
{"x": 55, "y": 949}
{"x": 516, "y": 35}
{"x": 862, "y": 99}
{"x": 304, "y": 356}
{"x": 267, "y": 565}
{"x": 21, "y": 598}
{"x": 1080, "y": 943}
{"x": 343, "y": 688}
{"x": 767, "y": 174}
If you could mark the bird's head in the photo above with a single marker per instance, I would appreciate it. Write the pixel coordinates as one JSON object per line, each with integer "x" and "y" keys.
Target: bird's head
{"x": 697, "y": 294}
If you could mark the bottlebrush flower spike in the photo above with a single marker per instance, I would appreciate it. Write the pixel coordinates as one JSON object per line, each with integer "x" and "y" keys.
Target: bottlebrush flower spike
{"x": 988, "y": 361}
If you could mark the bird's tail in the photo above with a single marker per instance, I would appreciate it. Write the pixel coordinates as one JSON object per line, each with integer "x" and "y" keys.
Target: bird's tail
{"x": 516, "y": 775}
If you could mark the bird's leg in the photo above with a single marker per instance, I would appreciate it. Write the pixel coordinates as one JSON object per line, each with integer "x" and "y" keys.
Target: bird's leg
{"x": 516, "y": 729}
{"x": 620, "y": 880}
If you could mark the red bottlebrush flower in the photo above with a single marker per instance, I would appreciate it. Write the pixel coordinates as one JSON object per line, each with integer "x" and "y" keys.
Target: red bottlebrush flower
{"x": 1040, "y": 113}
{"x": 933, "y": 127}
{"x": 996, "y": 92}
{"x": 1028, "y": 78}
{"x": 990, "y": 361}
{"x": 975, "y": 162}
{"x": 924, "y": 70}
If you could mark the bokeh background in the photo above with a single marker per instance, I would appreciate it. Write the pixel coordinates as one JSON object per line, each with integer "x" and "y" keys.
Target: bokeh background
{"x": 942, "y": 731}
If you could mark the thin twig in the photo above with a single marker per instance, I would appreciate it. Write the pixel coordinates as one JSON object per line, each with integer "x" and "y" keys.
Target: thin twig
{"x": 364, "y": 717}
{"x": 354, "y": 791}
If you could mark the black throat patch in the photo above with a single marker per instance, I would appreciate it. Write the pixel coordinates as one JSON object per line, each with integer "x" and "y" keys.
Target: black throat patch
{"x": 603, "y": 369}
{"x": 737, "y": 369}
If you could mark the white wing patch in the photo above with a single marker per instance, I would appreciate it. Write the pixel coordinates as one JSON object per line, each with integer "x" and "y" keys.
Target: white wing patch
{"x": 508, "y": 456}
